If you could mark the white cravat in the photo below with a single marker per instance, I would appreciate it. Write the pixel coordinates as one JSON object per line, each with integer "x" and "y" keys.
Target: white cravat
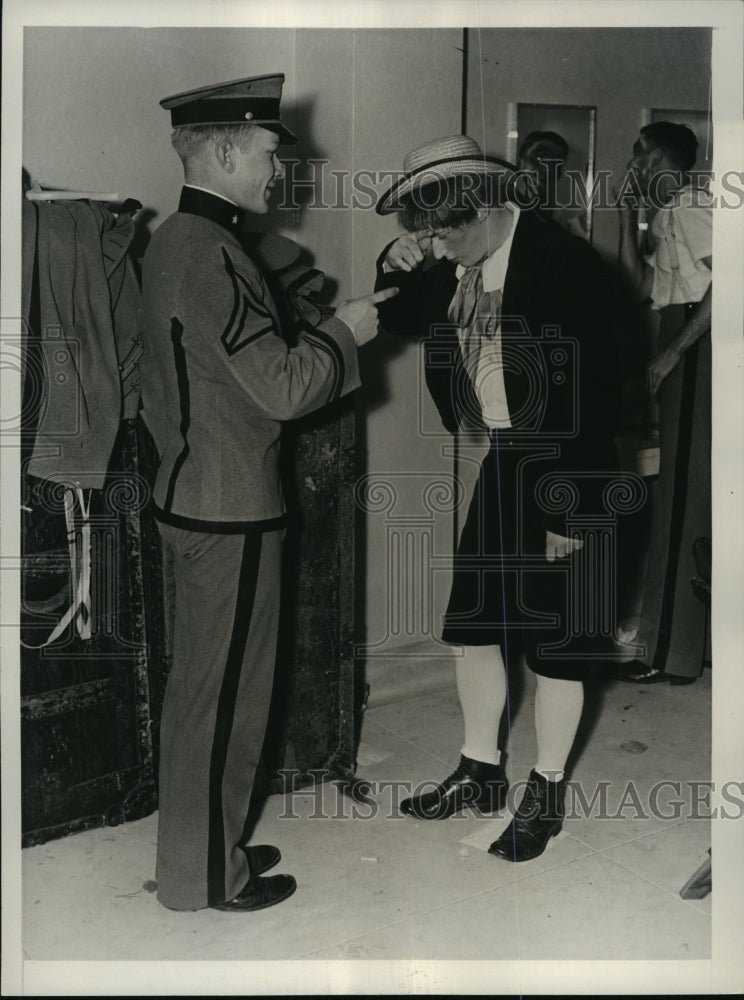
{"x": 480, "y": 342}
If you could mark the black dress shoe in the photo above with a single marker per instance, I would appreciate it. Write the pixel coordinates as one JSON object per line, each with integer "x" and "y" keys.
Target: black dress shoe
{"x": 636, "y": 672}
{"x": 539, "y": 817}
{"x": 483, "y": 786}
{"x": 261, "y": 858}
{"x": 258, "y": 893}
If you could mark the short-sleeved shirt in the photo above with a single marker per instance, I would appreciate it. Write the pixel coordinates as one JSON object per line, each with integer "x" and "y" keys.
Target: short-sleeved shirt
{"x": 686, "y": 224}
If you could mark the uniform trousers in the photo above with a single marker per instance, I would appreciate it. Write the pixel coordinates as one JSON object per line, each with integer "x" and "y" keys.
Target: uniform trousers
{"x": 673, "y": 620}
{"x": 215, "y": 709}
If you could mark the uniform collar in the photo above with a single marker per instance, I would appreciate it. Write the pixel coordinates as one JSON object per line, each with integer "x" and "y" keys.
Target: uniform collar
{"x": 199, "y": 201}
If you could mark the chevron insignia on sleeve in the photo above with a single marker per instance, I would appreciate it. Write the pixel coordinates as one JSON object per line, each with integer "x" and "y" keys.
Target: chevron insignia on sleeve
{"x": 244, "y": 325}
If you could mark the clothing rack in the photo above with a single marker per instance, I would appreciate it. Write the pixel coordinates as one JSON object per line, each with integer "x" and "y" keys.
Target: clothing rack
{"x": 53, "y": 195}
{"x": 38, "y": 193}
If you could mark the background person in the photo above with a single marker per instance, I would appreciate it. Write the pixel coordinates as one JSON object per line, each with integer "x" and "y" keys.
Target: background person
{"x": 541, "y": 159}
{"x": 676, "y": 277}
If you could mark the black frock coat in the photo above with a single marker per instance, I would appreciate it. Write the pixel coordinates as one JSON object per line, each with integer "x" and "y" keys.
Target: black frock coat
{"x": 554, "y": 469}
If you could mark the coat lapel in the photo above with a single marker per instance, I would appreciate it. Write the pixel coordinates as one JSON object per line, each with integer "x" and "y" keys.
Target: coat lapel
{"x": 526, "y": 260}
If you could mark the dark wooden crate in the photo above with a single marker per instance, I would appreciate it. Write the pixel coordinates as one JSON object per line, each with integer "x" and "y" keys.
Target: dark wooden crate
{"x": 90, "y": 708}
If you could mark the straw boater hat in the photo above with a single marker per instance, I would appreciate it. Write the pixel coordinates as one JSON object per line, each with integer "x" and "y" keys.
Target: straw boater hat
{"x": 439, "y": 160}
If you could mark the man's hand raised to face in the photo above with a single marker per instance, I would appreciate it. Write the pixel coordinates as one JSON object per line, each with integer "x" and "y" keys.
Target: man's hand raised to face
{"x": 408, "y": 251}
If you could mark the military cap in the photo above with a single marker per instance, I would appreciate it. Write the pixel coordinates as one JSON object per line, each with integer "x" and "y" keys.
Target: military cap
{"x": 253, "y": 100}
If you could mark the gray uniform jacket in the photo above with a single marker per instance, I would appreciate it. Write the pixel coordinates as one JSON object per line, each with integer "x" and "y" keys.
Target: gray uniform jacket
{"x": 218, "y": 377}
{"x": 81, "y": 301}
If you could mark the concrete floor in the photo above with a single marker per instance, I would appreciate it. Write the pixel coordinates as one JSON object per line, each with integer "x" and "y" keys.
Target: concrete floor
{"x": 376, "y": 885}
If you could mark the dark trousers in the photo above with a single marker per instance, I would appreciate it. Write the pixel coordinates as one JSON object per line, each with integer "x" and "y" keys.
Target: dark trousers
{"x": 674, "y": 620}
{"x": 215, "y": 709}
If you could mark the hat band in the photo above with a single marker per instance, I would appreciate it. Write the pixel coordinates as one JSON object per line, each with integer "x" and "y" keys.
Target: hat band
{"x": 226, "y": 110}
{"x": 408, "y": 174}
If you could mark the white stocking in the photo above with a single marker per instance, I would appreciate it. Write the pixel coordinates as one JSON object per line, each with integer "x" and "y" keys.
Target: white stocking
{"x": 481, "y": 686}
{"x": 558, "y": 706}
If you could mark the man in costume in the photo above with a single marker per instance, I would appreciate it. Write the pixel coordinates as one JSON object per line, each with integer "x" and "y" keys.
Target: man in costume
{"x": 513, "y": 313}
{"x": 218, "y": 380}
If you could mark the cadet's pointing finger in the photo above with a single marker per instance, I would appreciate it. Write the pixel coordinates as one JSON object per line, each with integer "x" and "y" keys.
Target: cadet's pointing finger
{"x": 386, "y": 293}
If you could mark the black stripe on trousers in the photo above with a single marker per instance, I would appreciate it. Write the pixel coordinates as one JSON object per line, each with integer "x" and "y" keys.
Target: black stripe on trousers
{"x": 225, "y": 716}
{"x": 679, "y": 504}
{"x": 184, "y": 404}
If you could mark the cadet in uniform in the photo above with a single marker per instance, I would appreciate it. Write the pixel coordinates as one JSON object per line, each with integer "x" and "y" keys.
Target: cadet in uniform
{"x": 218, "y": 379}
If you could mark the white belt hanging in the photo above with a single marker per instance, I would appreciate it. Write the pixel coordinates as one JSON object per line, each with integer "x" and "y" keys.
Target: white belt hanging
{"x": 78, "y": 541}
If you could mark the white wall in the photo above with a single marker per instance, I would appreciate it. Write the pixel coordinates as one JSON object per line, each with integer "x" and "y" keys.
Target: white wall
{"x": 408, "y": 89}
